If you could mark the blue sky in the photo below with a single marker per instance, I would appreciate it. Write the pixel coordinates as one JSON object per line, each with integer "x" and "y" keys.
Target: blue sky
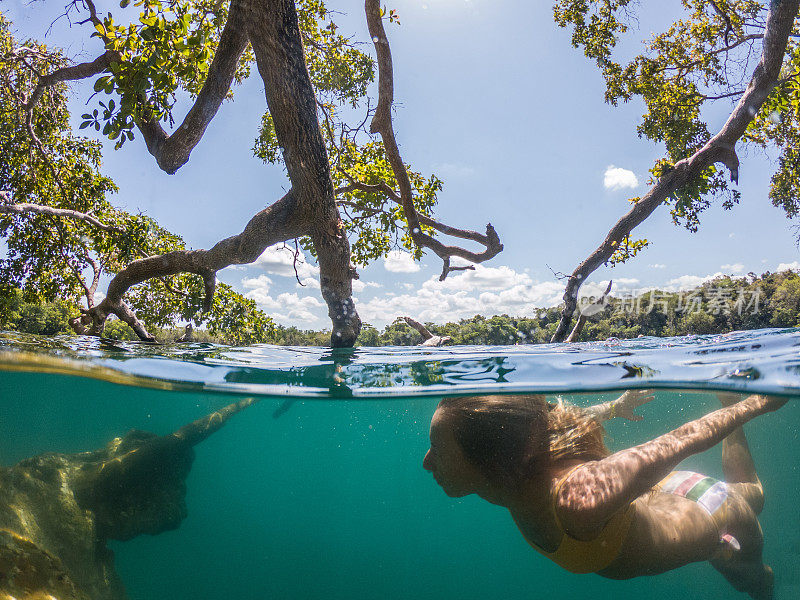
{"x": 492, "y": 98}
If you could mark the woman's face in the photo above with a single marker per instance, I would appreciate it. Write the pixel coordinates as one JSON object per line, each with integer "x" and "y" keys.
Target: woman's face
{"x": 446, "y": 461}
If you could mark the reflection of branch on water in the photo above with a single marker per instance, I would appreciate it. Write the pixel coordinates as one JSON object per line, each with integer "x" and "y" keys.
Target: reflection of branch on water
{"x": 635, "y": 370}
{"x": 283, "y": 408}
{"x": 58, "y": 510}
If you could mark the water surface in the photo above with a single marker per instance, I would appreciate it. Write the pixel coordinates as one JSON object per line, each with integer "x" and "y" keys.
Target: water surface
{"x": 317, "y": 490}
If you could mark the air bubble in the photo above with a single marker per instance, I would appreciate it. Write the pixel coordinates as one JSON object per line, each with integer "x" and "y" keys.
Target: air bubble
{"x": 375, "y": 39}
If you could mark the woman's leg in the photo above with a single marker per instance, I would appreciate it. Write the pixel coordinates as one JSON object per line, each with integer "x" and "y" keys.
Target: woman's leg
{"x": 737, "y": 462}
{"x": 744, "y": 567}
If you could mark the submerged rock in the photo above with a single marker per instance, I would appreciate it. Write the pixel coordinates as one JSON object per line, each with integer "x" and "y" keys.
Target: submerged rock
{"x": 58, "y": 510}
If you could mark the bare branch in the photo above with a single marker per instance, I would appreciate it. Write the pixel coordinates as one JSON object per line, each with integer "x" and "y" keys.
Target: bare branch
{"x": 382, "y": 124}
{"x": 719, "y": 149}
{"x": 588, "y": 311}
{"x": 18, "y": 209}
{"x": 428, "y": 339}
{"x": 275, "y": 223}
{"x": 71, "y": 73}
{"x": 172, "y": 151}
{"x": 385, "y": 189}
{"x": 426, "y": 335}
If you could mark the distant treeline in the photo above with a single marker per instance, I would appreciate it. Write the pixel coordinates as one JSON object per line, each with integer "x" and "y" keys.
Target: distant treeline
{"x": 718, "y": 306}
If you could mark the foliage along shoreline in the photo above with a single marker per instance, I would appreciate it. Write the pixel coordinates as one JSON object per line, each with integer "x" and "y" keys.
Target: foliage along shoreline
{"x": 718, "y": 306}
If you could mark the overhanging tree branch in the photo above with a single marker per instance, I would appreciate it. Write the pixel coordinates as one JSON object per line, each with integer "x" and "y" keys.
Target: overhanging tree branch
{"x": 382, "y": 124}
{"x": 172, "y": 151}
{"x": 274, "y": 224}
{"x": 385, "y": 189}
{"x": 17, "y": 209}
{"x": 719, "y": 149}
{"x": 71, "y": 73}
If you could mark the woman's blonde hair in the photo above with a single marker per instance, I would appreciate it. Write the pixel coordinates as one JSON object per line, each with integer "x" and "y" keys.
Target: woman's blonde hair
{"x": 511, "y": 438}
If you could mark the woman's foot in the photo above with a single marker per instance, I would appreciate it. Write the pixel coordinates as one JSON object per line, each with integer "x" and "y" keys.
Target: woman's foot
{"x": 751, "y": 577}
{"x": 767, "y": 588}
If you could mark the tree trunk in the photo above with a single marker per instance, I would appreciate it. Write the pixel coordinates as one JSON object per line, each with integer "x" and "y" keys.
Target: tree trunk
{"x": 275, "y": 36}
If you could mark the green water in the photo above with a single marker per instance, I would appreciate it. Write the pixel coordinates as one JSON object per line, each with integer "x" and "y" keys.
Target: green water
{"x": 330, "y": 500}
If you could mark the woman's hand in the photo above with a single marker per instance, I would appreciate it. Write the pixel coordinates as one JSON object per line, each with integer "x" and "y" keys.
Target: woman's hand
{"x": 624, "y": 406}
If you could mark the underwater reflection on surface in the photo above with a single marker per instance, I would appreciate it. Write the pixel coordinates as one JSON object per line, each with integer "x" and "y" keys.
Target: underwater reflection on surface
{"x": 765, "y": 361}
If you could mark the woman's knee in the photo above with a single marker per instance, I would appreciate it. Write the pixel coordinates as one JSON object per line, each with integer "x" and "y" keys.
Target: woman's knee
{"x": 753, "y": 494}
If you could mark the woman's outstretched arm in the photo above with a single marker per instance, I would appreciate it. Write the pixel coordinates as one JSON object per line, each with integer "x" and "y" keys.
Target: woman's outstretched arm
{"x": 623, "y": 407}
{"x": 593, "y": 493}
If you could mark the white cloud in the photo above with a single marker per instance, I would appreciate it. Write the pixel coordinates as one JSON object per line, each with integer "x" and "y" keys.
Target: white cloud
{"x": 481, "y": 278}
{"x": 792, "y": 266}
{"x": 286, "y": 308}
{"x": 291, "y": 309}
{"x": 279, "y": 260}
{"x": 734, "y": 268}
{"x": 658, "y": 266}
{"x": 486, "y": 291}
{"x": 398, "y": 261}
{"x": 360, "y": 286}
{"x": 261, "y": 283}
{"x": 687, "y": 282}
{"x": 617, "y": 178}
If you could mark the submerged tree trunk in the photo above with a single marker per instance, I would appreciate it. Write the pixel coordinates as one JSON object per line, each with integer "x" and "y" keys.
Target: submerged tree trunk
{"x": 58, "y": 510}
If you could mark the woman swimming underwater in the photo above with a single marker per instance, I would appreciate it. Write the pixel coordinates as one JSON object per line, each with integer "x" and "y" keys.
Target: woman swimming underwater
{"x": 619, "y": 515}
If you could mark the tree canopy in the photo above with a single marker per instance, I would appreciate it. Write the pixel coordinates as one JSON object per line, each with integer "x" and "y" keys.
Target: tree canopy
{"x": 718, "y": 306}
{"x": 349, "y": 183}
{"x": 328, "y": 120}
{"x": 736, "y": 51}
